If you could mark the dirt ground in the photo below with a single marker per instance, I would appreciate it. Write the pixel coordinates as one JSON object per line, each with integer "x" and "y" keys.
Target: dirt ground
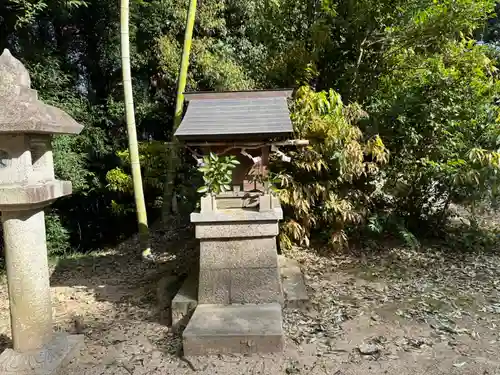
{"x": 395, "y": 311}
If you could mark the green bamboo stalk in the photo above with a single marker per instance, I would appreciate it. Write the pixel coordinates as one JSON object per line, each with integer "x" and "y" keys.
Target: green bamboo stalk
{"x": 140, "y": 203}
{"x": 179, "y": 105}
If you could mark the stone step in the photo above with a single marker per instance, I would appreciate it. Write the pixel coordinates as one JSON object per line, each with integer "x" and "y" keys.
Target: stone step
{"x": 232, "y": 329}
{"x": 184, "y": 302}
{"x": 292, "y": 280}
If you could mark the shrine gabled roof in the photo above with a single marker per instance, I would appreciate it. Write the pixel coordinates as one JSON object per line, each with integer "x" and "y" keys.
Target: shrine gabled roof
{"x": 236, "y": 115}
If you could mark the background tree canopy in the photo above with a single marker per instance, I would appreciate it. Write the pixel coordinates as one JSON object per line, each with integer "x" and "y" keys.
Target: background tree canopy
{"x": 398, "y": 99}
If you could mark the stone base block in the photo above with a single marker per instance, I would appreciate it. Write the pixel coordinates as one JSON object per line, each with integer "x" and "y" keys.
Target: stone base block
{"x": 236, "y": 223}
{"x": 239, "y": 253}
{"x": 236, "y": 230}
{"x": 255, "y": 285}
{"x": 294, "y": 287}
{"x": 49, "y": 360}
{"x": 239, "y": 285}
{"x": 167, "y": 288}
{"x": 246, "y": 329}
{"x": 214, "y": 287}
{"x": 184, "y": 303}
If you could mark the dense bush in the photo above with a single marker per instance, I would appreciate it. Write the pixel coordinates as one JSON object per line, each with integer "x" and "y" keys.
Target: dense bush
{"x": 329, "y": 185}
{"x": 438, "y": 116}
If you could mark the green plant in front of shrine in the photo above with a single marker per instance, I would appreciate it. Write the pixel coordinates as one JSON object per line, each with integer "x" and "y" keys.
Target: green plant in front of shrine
{"x": 217, "y": 173}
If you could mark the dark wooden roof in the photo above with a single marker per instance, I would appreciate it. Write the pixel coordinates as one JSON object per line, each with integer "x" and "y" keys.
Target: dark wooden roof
{"x": 236, "y": 115}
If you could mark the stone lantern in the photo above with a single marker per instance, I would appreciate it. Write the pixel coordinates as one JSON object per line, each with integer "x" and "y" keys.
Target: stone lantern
{"x": 240, "y": 296}
{"x": 27, "y": 186}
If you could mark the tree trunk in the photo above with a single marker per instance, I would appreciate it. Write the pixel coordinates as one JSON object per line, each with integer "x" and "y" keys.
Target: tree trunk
{"x": 179, "y": 105}
{"x": 131, "y": 130}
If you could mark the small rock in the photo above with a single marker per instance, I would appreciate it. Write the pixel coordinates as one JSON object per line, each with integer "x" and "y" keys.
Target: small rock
{"x": 144, "y": 344}
{"x": 417, "y": 343}
{"x": 111, "y": 356}
{"x": 78, "y": 324}
{"x": 368, "y": 349}
{"x": 401, "y": 341}
{"x": 458, "y": 221}
{"x": 116, "y": 337}
{"x": 156, "y": 354}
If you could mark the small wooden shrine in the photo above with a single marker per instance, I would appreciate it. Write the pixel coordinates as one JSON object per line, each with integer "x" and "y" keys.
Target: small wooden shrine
{"x": 239, "y": 289}
{"x": 246, "y": 124}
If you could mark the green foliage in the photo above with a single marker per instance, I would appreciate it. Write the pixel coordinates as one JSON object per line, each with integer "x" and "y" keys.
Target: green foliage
{"x": 120, "y": 181}
{"x": 381, "y": 223}
{"x": 219, "y": 71}
{"x": 152, "y": 156}
{"x": 58, "y": 237}
{"x": 326, "y": 186}
{"x": 437, "y": 112}
{"x": 217, "y": 173}
{"x": 153, "y": 165}
{"x": 472, "y": 238}
{"x": 212, "y": 65}
{"x": 427, "y": 91}
{"x": 27, "y": 10}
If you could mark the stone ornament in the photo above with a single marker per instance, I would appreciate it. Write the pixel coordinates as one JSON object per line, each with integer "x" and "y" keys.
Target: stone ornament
{"x": 27, "y": 186}
{"x": 26, "y": 128}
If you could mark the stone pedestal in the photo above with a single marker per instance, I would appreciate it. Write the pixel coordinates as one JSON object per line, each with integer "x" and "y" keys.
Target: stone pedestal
{"x": 244, "y": 329}
{"x": 239, "y": 292}
{"x": 47, "y": 360}
{"x": 238, "y": 256}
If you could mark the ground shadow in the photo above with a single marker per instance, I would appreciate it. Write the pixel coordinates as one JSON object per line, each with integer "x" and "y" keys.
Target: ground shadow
{"x": 121, "y": 277}
{"x": 5, "y": 342}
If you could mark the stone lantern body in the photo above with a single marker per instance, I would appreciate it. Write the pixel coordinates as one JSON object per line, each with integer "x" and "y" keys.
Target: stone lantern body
{"x": 27, "y": 186}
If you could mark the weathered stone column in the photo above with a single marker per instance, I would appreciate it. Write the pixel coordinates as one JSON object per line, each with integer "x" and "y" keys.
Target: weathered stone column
{"x": 28, "y": 275}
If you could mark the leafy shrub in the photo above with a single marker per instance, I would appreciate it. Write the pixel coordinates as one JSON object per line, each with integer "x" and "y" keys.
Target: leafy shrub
{"x": 437, "y": 115}
{"x": 58, "y": 237}
{"x": 152, "y": 156}
{"x": 330, "y": 184}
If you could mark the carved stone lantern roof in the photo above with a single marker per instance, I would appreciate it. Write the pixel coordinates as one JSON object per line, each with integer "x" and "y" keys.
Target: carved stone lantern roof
{"x": 20, "y": 109}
